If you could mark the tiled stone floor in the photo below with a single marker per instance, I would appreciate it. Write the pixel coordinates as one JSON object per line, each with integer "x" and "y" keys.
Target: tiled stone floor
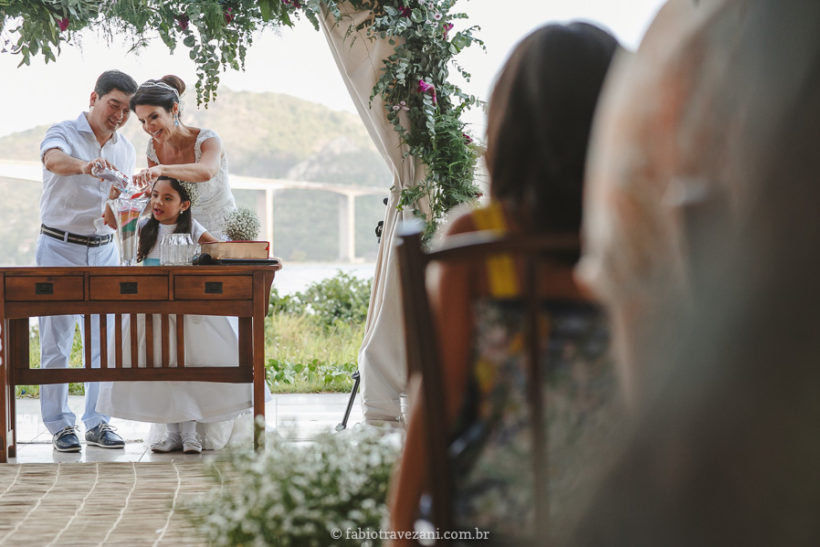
{"x": 302, "y": 414}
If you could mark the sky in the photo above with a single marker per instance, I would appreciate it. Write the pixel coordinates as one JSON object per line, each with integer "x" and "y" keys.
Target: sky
{"x": 294, "y": 61}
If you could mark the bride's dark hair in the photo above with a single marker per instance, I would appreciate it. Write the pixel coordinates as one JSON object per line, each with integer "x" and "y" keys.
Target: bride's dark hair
{"x": 150, "y": 230}
{"x": 163, "y": 92}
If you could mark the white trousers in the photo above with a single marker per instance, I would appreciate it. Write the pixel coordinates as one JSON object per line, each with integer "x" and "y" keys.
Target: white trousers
{"x": 57, "y": 335}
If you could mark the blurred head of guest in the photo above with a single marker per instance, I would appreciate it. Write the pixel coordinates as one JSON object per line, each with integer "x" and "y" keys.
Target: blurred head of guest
{"x": 724, "y": 445}
{"x": 539, "y": 120}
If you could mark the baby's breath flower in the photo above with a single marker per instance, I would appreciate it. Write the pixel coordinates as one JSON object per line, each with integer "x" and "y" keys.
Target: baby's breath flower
{"x": 242, "y": 224}
{"x": 192, "y": 190}
{"x": 293, "y": 492}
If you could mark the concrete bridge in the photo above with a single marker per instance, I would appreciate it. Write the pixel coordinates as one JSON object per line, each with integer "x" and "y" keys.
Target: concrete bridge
{"x": 28, "y": 171}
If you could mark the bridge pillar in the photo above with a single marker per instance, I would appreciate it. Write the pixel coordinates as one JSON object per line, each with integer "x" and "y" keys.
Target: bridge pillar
{"x": 347, "y": 227}
{"x": 269, "y": 217}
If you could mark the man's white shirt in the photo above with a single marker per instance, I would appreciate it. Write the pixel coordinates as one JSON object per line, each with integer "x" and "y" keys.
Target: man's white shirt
{"x": 72, "y": 203}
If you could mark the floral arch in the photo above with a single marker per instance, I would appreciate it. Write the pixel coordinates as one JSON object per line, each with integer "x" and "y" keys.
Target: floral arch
{"x": 395, "y": 57}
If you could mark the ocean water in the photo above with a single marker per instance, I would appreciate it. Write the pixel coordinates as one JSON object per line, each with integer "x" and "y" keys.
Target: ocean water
{"x": 297, "y": 276}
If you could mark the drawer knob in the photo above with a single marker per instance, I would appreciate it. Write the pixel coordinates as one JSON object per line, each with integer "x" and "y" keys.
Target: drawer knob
{"x": 213, "y": 287}
{"x": 128, "y": 287}
{"x": 44, "y": 288}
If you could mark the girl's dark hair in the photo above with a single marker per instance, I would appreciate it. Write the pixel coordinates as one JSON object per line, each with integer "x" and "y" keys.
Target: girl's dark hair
{"x": 539, "y": 121}
{"x": 150, "y": 230}
{"x": 151, "y": 93}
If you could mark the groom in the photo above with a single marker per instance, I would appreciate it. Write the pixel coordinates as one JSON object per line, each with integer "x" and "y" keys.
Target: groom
{"x": 71, "y": 202}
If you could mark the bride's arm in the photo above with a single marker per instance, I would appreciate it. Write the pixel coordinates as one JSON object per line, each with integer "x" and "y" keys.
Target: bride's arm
{"x": 203, "y": 170}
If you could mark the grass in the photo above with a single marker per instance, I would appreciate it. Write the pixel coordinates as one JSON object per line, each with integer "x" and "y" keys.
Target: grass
{"x": 303, "y": 354}
{"x": 306, "y": 356}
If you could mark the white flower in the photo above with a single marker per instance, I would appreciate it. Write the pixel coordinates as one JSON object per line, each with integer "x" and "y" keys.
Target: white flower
{"x": 242, "y": 224}
{"x": 299, "y": 493}
{"x": 192, "y": 190}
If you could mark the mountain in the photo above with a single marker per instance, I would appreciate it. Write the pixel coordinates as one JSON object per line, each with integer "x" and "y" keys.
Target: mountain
{"x": 266, "y": 135}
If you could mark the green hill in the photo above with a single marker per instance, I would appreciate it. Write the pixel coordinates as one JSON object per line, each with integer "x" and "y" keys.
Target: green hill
{"x": 265, "y": 135}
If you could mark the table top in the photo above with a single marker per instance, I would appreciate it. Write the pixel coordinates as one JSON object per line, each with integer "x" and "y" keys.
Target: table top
{"x": 140, "y": 270}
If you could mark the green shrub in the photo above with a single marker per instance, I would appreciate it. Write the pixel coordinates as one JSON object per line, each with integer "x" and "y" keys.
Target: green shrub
{"x": 288, "y": 304}
{"x": 341, "y": 298}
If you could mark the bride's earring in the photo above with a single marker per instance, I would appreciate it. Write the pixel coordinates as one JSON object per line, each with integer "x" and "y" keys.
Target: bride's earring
{"x": 176, "y": 120}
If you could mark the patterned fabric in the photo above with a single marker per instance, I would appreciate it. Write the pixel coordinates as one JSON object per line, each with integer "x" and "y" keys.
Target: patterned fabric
{"x": 491, "y": 448}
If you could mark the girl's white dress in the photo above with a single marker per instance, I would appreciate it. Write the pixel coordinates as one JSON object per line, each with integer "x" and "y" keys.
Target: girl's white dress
{"x": 214, "y": 199}
{"x": 209, "y": 341}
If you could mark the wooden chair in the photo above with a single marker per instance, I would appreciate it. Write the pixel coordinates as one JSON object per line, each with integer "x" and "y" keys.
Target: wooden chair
{"x": 422, "y": 342}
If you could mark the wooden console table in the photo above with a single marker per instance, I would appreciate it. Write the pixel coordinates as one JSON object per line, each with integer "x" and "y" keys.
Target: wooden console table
{"x": 241, "y": 291}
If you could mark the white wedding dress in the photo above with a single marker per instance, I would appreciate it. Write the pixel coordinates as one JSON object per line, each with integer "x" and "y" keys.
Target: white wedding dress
{"x": 210, "y": 341}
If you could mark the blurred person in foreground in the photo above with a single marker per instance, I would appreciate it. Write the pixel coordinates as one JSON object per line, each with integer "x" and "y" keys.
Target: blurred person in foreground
{"x": 723, "y": 101}
{"x": 539, "y": 120}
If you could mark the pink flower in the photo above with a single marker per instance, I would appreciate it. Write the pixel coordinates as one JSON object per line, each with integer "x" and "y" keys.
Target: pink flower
{"x": 405, "y": 11}
{"x": 229, "y": 15}
{"x": 424, "y": 87}
{"x": 63, "y": 24}
{"x": 182, "y": 21}
{"x": 467, "y": 138}
{"x": 447, "y": 28}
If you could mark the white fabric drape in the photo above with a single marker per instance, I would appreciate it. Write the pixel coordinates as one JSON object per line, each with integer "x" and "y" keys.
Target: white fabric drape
{"x": 382, "y": 361}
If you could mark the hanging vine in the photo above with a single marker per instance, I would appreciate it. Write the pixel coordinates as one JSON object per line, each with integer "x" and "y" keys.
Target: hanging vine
{"x": 420, "y": 100}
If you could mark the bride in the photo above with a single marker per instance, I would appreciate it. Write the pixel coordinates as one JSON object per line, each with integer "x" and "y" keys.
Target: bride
{"x": 188, "y": 154}
{"x": 195, "y": 156}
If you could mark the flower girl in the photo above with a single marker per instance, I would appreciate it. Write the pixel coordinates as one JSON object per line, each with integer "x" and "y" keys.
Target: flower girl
{"x": 170, "y": 213}
{"x": 194, "y": 413}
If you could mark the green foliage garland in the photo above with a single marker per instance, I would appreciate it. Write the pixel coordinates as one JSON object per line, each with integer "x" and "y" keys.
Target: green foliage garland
{"x": 422, "y": 104}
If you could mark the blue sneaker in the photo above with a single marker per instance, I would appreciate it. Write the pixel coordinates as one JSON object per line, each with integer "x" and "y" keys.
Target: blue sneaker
{"x": 103, "y": 435}
{"x": 66, "y": 440}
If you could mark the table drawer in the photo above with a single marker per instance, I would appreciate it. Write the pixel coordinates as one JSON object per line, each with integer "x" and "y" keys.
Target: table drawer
{"x": 116, "y": 287}
{"x": 219, "y": 287}
{"x": 25, "y": 289}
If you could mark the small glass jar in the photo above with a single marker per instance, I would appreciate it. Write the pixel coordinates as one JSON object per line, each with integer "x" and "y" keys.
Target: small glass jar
{"x": 176, "y": 250}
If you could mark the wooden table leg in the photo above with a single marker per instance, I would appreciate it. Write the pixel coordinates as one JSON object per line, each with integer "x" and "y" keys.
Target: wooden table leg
{"x": 5, "y": 400}
{"x": 18, "y": 358}
{"x": 259, "y": 313}
{"x": 4, "y": 360}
